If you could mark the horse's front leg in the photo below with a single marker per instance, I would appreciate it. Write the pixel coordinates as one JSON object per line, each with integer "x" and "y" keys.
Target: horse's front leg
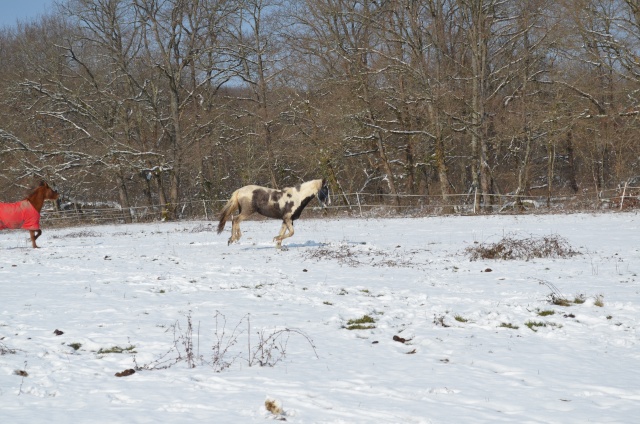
{"x": 285, "y": 232}
{"x": 289, "y": 225}
{"x": 34, "y": 234}
{"x": 280, "y": 236}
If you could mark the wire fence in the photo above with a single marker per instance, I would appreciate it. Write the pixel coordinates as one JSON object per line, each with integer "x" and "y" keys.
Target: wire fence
{"x": 356, "y": 205}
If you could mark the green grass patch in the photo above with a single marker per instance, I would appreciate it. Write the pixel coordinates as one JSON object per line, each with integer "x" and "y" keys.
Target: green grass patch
{"x": 535, "y": 324}
{"x": 117, "y": 349}
{"x": 509, "y": 325}
{"x": 360, "y": 327}
{"x": 75, "y": 346}
{"x": 363, "y": 323}
{"x": 546, "y": 312}
{"x": 460, "y": 318}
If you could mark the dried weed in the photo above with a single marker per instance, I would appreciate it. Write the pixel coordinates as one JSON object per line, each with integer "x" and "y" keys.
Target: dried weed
{"x": 511, "y": 248}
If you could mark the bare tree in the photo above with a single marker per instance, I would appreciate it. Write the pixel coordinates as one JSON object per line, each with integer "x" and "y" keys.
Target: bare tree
{"x": 257, "y": 48}
{"x": 525, "y": 100}
{"x": 181, "y": 38}
{"x": 339, "y": 39}
{"x": 419, "y": 41}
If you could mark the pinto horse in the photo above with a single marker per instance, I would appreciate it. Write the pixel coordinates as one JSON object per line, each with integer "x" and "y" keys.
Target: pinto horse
{"x": 25, "y": 214}
{"x": 286, "y": 204}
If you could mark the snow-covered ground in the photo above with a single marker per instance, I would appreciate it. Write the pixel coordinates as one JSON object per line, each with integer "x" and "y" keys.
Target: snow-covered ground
{"x": 450, "y": 340}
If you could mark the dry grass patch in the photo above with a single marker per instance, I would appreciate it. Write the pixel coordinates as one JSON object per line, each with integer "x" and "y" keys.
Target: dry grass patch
{"x": 362, "y": 254}
{"x": 512, "y": 248}
{"x": 77, "y": 234}
{"x": 4, "y": 350}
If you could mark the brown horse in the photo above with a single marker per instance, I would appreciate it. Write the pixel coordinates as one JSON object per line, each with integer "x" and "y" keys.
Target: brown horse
{"x": 25, "y": 214}
{"x": 286, "y": 204}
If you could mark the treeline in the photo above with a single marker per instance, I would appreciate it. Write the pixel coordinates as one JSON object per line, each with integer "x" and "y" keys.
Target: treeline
{"x": 147, "y": 102}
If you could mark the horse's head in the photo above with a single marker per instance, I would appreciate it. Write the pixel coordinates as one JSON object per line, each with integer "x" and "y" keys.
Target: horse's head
{"x": 323, "y": 194}
{"x": 49, "y": 193}
{"x": 41, "y": 193}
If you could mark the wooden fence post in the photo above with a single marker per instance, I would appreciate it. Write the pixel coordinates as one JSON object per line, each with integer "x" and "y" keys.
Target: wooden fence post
{"x": 624, "y": 190}
{"x": 475, "y": 198}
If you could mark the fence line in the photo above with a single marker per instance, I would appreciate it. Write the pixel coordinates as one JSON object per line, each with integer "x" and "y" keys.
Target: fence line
{"x": 360, "y": 203}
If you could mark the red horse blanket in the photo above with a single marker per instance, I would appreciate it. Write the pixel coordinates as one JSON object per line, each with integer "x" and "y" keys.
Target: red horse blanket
{"x": 19, "y": 215}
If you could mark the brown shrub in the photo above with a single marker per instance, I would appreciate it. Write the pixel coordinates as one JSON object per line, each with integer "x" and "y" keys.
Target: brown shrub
{"x": 511, "y": 248}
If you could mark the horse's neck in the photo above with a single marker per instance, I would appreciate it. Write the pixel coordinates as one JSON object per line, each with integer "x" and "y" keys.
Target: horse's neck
{"x": 309, "y": 188}
{"x": 37, "y": 200}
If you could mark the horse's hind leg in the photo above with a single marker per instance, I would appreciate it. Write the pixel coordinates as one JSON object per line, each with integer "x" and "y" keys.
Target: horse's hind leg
{"x": 238, "y": 232}
{"x": 34, "y": 234}
{"x": 235, "y": 229}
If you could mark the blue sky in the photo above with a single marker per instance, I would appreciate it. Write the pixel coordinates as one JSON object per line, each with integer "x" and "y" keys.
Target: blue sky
{"x": 14, "y": 10}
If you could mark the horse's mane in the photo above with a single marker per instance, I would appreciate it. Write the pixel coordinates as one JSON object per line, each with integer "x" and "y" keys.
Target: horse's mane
{"x": 33, "y": 190}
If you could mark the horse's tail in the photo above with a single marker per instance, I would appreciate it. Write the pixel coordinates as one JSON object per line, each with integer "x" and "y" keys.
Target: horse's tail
{"x": 228, "y": 209}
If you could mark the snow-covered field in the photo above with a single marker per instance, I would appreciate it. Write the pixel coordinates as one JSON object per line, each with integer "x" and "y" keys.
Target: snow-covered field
{"x": 450, "y": 340}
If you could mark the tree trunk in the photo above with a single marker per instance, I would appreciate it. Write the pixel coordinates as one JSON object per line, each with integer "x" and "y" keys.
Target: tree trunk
{"x": 441, "y": 162}
{"x": 571, "y": 159}
{"x": 124, "y": 198}
{"x": 551, "y": 160}
{"x": 523, "y": 169}
{"x": 175, "y": 135}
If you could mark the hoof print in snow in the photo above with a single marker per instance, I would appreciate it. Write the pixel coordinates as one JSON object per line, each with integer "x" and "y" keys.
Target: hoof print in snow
{"x": 21, "y": 373}
{"x": 125, "y": 373}
{"x": 58, "y": 332}
{"x": 411, "y": 352}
